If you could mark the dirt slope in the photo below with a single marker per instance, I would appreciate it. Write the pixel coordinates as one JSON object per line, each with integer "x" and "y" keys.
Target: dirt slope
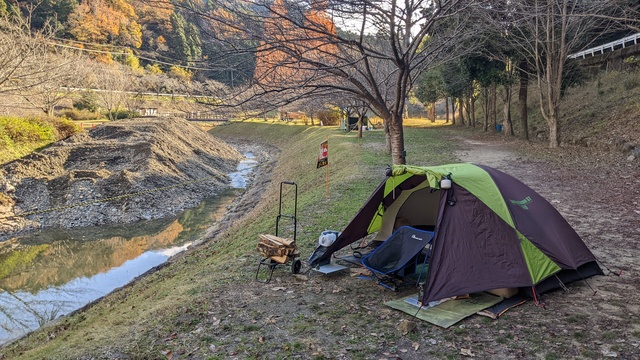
{"x": 87, "y": 179}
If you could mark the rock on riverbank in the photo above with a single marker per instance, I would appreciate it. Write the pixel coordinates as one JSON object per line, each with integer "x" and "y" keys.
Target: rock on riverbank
{"x": 119, "y": 172}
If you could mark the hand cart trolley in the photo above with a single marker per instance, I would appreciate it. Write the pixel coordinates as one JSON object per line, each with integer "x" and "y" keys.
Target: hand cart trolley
{"x": 277, "y": 250}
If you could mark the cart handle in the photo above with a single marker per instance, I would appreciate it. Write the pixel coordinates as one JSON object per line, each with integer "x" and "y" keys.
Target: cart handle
{"x": 295, "y": 209}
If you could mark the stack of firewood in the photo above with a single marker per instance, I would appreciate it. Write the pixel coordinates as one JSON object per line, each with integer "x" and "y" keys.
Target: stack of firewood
{"x": 277, "y": 248}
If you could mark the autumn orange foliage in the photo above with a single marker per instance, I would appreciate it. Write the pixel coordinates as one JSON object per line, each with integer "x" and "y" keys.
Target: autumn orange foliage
{"x": 285, "y": 54}
{"x": 99, "y": 21}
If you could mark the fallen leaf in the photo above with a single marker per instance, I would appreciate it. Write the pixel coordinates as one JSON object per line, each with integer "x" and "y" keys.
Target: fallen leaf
{"x": 168, "y": 354}
{"x": 416, "y": 346}
{"x": 467, "y": 352}
{"x": 261, "y": 339}
{"x": 278, "y": 288}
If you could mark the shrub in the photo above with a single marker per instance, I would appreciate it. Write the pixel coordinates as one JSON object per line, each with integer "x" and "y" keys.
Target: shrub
{"x": 153, "y": 69}
{"x": 20, "y": 136}
{"x": 180, "y": 73}
{"x": 27, "y": 129}
{"x": 329, "y": 117}
{"x": 5, "y": 140}
{"x": 87, "y": 102}
{"x": 64, "y": 127}
{"x": 75, "y": 114}
{"x": 122, "y": 114}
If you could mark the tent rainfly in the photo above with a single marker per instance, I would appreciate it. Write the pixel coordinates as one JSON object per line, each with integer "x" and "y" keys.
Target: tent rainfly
{"x": 491, "y": 230}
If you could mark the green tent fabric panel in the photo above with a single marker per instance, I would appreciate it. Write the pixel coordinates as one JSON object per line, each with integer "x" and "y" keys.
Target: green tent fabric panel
{"x": 469, "y": 176}
{"x": 432, "y": 173}
{"x": 376, "y": 222}
{"x": 394, "y": 181}
{"x": 539, "y": 265}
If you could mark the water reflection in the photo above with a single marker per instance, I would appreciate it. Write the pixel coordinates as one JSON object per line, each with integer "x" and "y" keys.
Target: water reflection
{"x": 54, "y": 272}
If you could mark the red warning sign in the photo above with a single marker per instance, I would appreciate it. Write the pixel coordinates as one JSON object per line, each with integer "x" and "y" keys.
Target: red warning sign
{"x": 323, "y": 156}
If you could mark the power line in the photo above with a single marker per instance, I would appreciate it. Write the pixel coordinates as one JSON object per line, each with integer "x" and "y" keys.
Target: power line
{"x": 139, "y": 56}
{"x": 139, "y": 93}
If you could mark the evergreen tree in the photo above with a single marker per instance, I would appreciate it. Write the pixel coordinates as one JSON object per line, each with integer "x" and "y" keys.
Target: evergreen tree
{"x": 56, "y": 12}
{"x": 185, "y": 39}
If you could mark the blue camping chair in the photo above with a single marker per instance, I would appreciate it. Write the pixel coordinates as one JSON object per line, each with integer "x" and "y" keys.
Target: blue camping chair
{"x": 398, "y": 256}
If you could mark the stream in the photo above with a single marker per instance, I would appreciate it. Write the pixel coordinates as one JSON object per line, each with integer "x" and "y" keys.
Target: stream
{"x": 53, "y": 272}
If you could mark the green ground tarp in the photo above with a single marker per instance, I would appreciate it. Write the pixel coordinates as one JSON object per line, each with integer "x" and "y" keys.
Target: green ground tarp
{"x": 448, "y": 312}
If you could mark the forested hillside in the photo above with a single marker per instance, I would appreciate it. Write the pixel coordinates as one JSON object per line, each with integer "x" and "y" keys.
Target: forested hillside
{"x": 158, "y": 33}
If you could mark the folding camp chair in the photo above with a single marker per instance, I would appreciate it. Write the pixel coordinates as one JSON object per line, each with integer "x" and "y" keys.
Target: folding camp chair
{"x": 398, "y": 256}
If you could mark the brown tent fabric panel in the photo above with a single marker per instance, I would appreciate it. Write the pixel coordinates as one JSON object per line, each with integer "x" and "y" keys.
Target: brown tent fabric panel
{"x": 474, "y": 250}
{"x": 541, "y": 223}
{"x": 358, "y": 226}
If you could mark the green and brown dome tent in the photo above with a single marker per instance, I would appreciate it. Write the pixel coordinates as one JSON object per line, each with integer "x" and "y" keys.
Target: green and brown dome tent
{"x": 491, "y": 230}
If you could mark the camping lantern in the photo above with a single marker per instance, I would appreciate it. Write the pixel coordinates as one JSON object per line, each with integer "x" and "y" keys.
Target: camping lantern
{"x": 445, "y": 182}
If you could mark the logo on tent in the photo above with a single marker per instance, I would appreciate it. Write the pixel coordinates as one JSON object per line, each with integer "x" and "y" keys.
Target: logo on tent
{"x": 416, "y": 238}
{"x": 522, "y": 203}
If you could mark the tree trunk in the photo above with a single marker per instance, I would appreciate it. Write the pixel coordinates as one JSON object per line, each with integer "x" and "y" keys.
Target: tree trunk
{"x": 461, "y": 111}
{"x": 468, "y": 110}
{"x": 493, "y": 111}
{"x": 432, "y": 112}
{"x": 453, "y": 111}
{"x": 485, "y": 108}
{"x": 522, "y": 100}
{"x": 398, "y": 155}
{"x": 554, "y": 131}
{"x": 359, "y": 126}
{"x": 473, "y": 110}
{"x": 406, "y": 109}
{"x": 387, "y": 136}
{"x": 446, "y": 108}
{"x": 507, "y": 125}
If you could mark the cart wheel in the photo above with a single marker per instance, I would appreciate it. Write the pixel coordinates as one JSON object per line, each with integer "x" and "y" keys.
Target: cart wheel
{"x": 296, "y": 265}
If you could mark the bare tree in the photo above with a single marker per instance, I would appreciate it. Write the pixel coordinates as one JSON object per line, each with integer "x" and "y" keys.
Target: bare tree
{"x": 371, "y": 49}
{"x": 362, "y": 108}
{"x": 545, "y": 32}
{"x": 313, "y": 105}
{"x": 56, "y": 83}
{"x": 21, "y": 54}
{"x": 110, "y": 84}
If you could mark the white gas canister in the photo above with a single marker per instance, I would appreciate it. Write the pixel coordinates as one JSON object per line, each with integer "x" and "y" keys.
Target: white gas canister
{"x": 328, "y": 237}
